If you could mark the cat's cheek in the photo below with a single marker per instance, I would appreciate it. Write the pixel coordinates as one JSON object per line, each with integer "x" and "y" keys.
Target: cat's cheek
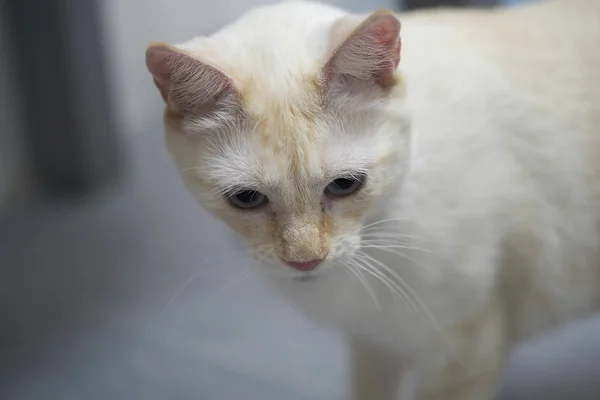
{"x": 253, "y": 225}
{"x": 352, "y": 211}
{"x": 347, "y": 216}
{"x": 344, "y": 246}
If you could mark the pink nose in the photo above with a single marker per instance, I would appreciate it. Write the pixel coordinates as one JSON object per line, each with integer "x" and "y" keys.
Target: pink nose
{"x": 304, "y": 266}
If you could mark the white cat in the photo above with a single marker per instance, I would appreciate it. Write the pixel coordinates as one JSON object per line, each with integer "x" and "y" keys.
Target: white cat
{"x": 435, "y": 197}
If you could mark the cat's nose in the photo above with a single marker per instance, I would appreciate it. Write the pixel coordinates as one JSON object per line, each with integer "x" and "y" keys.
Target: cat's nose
{"x": 304, "y": 266}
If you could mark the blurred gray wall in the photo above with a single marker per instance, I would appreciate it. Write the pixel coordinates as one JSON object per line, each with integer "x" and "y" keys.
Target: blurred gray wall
{"x": 13, "y": 166}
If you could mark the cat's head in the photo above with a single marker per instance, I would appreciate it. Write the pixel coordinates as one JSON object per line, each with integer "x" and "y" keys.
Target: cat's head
{"x": 288, "y": 127}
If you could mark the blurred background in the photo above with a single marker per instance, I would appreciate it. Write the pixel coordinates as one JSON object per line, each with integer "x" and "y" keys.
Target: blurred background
{"x": 113, "y": 283}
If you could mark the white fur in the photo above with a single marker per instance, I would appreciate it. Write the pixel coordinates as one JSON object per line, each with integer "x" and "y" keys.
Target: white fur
{"x": 502, "y": 186}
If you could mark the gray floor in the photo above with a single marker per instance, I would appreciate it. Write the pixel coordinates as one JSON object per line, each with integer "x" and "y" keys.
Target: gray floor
{"x": 89, "y": 284}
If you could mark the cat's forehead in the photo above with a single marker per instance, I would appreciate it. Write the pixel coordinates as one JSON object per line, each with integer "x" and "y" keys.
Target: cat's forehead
{"x": 295, "y": 152}
{"x": 293, "y": 136}
{"x": 288, "y": 136}
{"x": 286, "y": 144}
{"x": 285, "y": 117}
{"x": 289, "y": 139}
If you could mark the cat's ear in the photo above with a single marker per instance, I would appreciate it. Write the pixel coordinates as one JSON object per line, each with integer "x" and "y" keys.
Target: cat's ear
{"x": 186, "y": 84}
{"x": 368, "y": 55}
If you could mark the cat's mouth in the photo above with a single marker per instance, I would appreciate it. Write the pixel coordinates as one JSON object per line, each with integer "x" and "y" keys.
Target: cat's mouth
{"x": 323, "y": 269}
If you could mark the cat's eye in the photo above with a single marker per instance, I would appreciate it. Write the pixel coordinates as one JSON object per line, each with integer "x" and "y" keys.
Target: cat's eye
{"x": 247, "y": 199}
{"x": 342, "y": 187}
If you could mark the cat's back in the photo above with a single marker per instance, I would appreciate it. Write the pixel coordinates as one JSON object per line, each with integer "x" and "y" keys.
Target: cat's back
{"x": 547, "y": 49}
{"x": 550, "y": 49}
{"x": 509, "y": 75}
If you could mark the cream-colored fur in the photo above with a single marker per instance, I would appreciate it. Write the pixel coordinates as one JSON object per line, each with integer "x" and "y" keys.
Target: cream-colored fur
{"x": 479, "y": 223}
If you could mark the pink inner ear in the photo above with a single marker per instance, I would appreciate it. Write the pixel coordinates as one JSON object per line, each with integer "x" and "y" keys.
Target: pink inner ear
{"x": 370, "y": 53}
{"x": 157, "y": 61}
{"x": 387, "y": 32}
{"x": 186, "y": 84}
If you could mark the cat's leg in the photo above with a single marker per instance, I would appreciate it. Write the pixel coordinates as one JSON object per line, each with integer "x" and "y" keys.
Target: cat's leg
{"x": 480, "y": 386}
{"x": 376, "y": 374}
{"x": 474, "y": 371}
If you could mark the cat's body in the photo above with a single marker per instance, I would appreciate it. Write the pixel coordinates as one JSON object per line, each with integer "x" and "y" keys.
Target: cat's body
{"x": 484, "y": 158}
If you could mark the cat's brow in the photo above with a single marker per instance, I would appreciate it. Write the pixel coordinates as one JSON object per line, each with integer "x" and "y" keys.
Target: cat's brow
{"x": 347, "y": 167}
{"x": 240, "y": 180}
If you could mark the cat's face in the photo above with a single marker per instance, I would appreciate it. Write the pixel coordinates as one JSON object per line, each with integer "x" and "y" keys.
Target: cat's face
{"x": 296, "y": 187}
{"x": 294, "y": 169}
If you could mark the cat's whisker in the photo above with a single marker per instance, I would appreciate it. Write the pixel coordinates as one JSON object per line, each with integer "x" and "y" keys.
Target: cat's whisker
{"x": 420, "y": 302}
{"x": 383, "y": 221}
{"x": 390, "y": 271}
{"x": 198, "y": 275}
{"x": 395, "y": 248}
{"x": 405, "y": 297}
{"x": 385, "y": 240}
{"x": 383, "y": 245}
{"x": 240, "y": 278}
{"x": 376, "y": 232}
{"x": 359, "y": 275}
{"x": 393, "y": 287}
{"x": 398, "y": 253}
{"x": 192, "y": 278}
{"x": 395, "y": 235}
{"x": 395, "y": 290}
{"x": 181, "y": 289}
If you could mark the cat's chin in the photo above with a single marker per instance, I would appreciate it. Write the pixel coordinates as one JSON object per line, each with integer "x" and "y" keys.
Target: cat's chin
{"x": 305, "y": 278}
